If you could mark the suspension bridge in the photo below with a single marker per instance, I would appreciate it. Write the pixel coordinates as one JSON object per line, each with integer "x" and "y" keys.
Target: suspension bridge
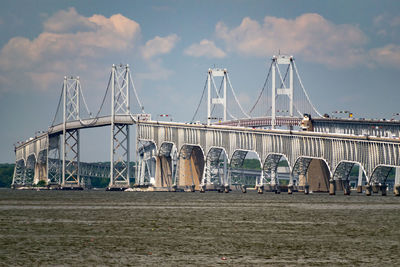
{"x": 209, "y": 152}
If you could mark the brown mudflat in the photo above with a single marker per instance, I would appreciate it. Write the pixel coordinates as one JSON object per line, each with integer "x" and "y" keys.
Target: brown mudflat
{"x": 155, "y": 228}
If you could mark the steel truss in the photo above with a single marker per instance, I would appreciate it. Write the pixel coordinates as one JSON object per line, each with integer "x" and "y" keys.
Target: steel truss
{"x": 120, "y": 145}
{"x": 70, "y": 141}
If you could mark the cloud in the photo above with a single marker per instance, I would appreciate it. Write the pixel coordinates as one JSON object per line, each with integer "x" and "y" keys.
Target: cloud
{"x": 69, "y": 42}
{"x": 310, "y": 36}
{"x": 205, "y": 48}
{"x": 387, "y": 55}
{"x": 159, "y": 45}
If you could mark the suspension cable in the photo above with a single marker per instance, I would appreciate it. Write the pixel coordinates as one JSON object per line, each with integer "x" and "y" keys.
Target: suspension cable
{"x": 101, "y": 106}
{"x": 84, "y": 101}
{"x": 136, "y": 95}
{"x": 215, "y": 88}
{"x": 265, "y": 83}
{"x": 236, "y": 99}
{"x": 305, "y": 92}
{"x": 201, "y": 99}
{"x": 58, "y": 106}
{"x": 219, "y": 91}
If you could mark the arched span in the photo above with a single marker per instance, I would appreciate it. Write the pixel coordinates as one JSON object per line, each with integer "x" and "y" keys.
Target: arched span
{"x": 352, "y": 172}
{"x": 146, "y": 153}
{"x": 270, "y": 169}
{"x": 216, "y": 168}
{"x": 249, "y": 174}
{"x": 19, "y": 172}
{"x": 166, "y": 162}
{"x": 313, "y": 172}
{"x": 190, "y": 166}
{"x": 30, "y": 169}
{"x": 381, "y": 173}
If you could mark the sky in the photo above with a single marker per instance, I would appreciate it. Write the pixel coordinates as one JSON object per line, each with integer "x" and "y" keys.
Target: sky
{"x": 347, "y": 53}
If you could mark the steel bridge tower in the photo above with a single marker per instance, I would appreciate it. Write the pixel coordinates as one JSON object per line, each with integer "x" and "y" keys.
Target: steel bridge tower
{"x": 120, "y": 145}
{"x": 70, "y": 139}
{"x": 219, "y": 100}
{"x": 276, "y": 61}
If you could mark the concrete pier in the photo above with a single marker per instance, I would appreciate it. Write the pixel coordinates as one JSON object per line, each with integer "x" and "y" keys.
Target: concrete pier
{"x": 359, "y": 189}
{"x": 243, "y": 188}
{"x": 306, "y": 189}
{"x": 260, "y": 189}
{"x": 396, "y": 190}
{"x": 368, "y": 189}
{"x": 384, "y": 189}
{"x": 346, "y": 188}
{"x": 375, "y": 188}
{"x": 332, "y": 187}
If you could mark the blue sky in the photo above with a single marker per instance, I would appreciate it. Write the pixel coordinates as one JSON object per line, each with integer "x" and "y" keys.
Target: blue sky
{"x": 347, "y": 52}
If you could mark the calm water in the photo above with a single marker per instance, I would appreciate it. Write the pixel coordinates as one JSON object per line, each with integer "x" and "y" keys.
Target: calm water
{"x": 143, "y": 228}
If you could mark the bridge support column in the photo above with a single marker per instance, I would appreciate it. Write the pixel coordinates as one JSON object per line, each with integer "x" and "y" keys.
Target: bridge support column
{"x": 359, "y": 189}
{"x": 368, "y": 190}
{"x": 396, "y": 190}
{"x": 227, "y": 189}
{"x": 203, "y": 188}
{"x": 243, "y": 188}
{"x": 290, "y": 189}
{"x": 375, "y": 188}
{"x": 384, "y": 189}
{"x": 346, "y": 188}
{"x": 332, "y": 187}
{"x": 306, "y": 189}
{"x": 260, "y": 189}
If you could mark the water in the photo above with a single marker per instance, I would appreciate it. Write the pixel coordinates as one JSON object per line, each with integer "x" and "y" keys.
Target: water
{"x": 178, "y": 229}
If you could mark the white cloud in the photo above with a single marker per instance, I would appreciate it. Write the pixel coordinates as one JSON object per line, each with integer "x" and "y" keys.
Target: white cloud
{"x": 310, "y": 36}
{"x": 159, "y": 45}
{"x": 205, "y": 48}
{"x": 69, "y": 42}
{"x": 387, "y": 55}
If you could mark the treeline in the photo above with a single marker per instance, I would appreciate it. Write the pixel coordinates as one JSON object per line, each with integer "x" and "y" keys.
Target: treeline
{"x": 6, "y": 174}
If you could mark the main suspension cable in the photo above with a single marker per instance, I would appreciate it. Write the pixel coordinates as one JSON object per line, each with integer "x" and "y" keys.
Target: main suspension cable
{"x": 265, "y": 83}
{"x": 201, "y": 99}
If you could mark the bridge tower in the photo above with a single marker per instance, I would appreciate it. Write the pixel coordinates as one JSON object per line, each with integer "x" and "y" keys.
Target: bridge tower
{"x": 120, "y": 146}
{"x": 70, "y": 140}
{"x": 219, "y": 100}
{"x": 276, "y": 61}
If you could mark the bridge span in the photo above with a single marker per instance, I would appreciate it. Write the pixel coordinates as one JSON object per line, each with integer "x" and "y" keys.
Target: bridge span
{"x": 197, "y": 151}
{"x": 208, "y": 156}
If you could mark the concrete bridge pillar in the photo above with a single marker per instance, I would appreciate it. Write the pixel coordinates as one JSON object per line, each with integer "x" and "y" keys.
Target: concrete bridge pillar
{"x": 384, "y": 189}
{"x": 306, "y": 189}
{"x": 346, "y": 188}
{"x": 375, "y": 188}
{"x": 243, "y": 188}
{"x": 332, "y": 187}
{"x": 359, "y": 189}
{"x": 368, "y": 190}
{"x": 260, "y": 189}
{"x": 396, "y": 190}
{"x": 290, "y": 189}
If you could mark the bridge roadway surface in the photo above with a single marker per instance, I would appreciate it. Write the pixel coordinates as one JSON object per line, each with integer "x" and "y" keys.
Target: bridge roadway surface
{"x": 235, "y": 124}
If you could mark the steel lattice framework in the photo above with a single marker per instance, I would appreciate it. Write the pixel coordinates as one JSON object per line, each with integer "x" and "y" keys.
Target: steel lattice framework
{"x": 119, "y": 169}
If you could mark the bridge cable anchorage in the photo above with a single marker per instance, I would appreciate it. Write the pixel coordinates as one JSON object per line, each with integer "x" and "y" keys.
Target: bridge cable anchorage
{"x": 201, "y": 99}
{"x": 263, "y": 88}
{"x": 215, "y": 88}
{"x": 304, "y": 90}
{"x": 236, "y": 99}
